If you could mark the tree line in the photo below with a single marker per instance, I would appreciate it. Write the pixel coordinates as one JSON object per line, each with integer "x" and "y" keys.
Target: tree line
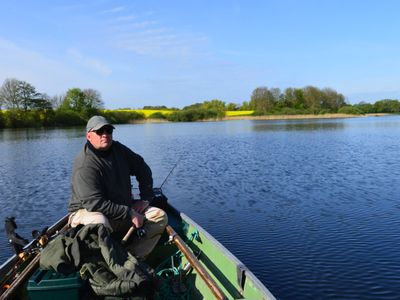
{"x": 312, "y": 100}
{"x": 21, "y": 105}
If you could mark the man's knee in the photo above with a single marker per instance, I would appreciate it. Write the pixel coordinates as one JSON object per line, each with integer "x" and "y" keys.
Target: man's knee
{"x": 85, "y": 217}
{"x": 157, "y": 215}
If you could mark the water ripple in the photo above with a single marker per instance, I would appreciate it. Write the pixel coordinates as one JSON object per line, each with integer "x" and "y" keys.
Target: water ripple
{"x": 311, "y": 207}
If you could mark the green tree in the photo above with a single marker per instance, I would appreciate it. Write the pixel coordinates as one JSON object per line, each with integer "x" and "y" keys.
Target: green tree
{"x": 365, "y": 107}
{"x": 214, "y": 104}
{"x": 262, "y": 100}
{"x": 74, "y": 100}
{"x": 193, "y": 106}
{"x": 387, "y": 106}
{"x": 44, "y": 102}
{"x": 245, "y": 106}
{"x": 86, "y": 102}
{"x": 332, "y": 100}
{"x": 232, "y": 106}
{"x": 93, "y": 99}
{"x": 312, "y": 98}
{"x": 27, "y": 95}
{"x": 299, "y": 99}
{"x": 157, "y": 107}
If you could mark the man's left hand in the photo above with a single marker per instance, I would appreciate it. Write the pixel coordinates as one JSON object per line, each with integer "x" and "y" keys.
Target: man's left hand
{"x": 140, "y": 205}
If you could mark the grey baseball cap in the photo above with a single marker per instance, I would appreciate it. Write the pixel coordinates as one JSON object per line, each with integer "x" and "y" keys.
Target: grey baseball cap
{"x": 96, "y": 122}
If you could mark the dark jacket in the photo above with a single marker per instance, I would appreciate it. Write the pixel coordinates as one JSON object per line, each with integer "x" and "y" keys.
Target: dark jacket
{"x": 110, "y": 269}
{"x": 101, "y": 180}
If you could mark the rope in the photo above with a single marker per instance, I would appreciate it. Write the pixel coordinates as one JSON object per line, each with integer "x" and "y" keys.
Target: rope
{"x": 174, "y": 283}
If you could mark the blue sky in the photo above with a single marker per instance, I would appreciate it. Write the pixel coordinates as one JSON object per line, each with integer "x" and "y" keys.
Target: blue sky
{"x": 177, "y": 53}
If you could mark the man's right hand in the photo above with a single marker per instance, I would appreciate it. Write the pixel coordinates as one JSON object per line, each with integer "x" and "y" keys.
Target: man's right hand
{"x": 137, "y": 219}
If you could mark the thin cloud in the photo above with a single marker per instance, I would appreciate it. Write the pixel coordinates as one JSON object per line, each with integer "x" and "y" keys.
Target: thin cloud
{"x": 126, "y": 18}
{"x": 89, "y": 62}
{"x": 145, "y": 35}
{"x": 148, "y": 37}
{"x": 158, "y": 43}
{"x": 144, "y": 24}
{"x": 113, "y": 10}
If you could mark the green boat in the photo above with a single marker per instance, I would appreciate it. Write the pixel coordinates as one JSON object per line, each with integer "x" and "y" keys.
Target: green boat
{"x": 192, "y": 263}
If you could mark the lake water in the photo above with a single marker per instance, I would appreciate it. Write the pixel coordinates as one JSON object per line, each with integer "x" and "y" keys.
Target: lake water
{"x": 310, "y": 206}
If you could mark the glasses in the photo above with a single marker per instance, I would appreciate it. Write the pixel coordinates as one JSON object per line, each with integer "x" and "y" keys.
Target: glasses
{"x": 104, "y": 130}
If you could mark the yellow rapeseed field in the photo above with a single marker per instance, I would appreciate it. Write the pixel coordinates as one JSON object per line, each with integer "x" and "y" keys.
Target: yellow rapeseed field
{"x": 148, "y": 112}
{"x": 236, "y": 113}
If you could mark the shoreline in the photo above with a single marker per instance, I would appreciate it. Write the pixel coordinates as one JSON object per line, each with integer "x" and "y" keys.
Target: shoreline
{"x": 299, "y": 117}
{"x": 272, "y": 117}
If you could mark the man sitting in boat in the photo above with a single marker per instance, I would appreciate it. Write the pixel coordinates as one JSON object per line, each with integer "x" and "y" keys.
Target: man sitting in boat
{"x": 102, "y": 193}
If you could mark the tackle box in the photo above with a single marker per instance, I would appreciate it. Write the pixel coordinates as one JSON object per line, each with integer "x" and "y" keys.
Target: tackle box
{"x": 45, "y": 284}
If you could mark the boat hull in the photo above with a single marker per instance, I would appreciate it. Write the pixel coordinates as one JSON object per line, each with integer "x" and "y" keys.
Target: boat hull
{"x": 228, "y": 273}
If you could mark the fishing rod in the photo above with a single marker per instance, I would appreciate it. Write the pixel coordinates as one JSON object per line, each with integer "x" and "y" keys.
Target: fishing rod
{"x": 26, "y": 261}
{"x": 170, "y": 172}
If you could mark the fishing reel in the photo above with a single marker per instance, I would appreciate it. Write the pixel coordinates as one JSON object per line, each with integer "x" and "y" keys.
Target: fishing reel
{"x": 159, "y": 200}
{"x": 41, "y": 238}
{"x": 140, "y": 232}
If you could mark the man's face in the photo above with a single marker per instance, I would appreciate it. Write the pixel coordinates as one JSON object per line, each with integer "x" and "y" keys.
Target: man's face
{"x": 101, "y": 139}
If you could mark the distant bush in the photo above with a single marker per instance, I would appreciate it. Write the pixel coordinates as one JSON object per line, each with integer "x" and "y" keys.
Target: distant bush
{"x": 47, "y": 117}
{"x": 2, "y": 125}
{"x": 122, "y": 117}
{"x": 157, "y": 115}
{"x": 387, "y": 106}
{"x": 14, "y": 118}
{"x": 66, "y": 117}
{"x": 290, "y": 111}
{"x": 160, "y": 107}
{"x": 195, "y": 114}
{"x": 351, "y": 110}
{"x": 365, "y": 108}
{"x": 18, "y": 119}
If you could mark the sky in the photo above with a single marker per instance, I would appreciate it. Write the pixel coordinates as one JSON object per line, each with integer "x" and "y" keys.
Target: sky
{"x": 177, "y": 53}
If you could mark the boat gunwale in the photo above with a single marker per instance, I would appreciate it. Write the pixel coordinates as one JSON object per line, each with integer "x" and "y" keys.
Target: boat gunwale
{"x": 248, "y": 273}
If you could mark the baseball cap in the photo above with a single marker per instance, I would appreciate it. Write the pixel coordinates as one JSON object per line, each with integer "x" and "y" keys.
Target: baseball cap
{"x": 96, "y": 122}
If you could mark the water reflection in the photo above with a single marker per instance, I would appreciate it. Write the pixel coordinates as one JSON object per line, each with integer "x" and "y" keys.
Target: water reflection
{"x": 298, "y": 125}
{"x": 23, "y": 134}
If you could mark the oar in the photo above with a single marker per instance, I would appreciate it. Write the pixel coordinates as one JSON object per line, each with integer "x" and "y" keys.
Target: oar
{"x": 215, "y": 289}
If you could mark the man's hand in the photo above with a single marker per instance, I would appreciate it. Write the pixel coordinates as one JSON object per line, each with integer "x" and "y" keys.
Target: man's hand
{"x": 140, "y": 205}
{"x": 137, "y": 218}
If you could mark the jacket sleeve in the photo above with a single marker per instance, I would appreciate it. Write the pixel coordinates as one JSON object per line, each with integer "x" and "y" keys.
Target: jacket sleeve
{"x": 143, "y": 174}
{"x": 89, "y": 189}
